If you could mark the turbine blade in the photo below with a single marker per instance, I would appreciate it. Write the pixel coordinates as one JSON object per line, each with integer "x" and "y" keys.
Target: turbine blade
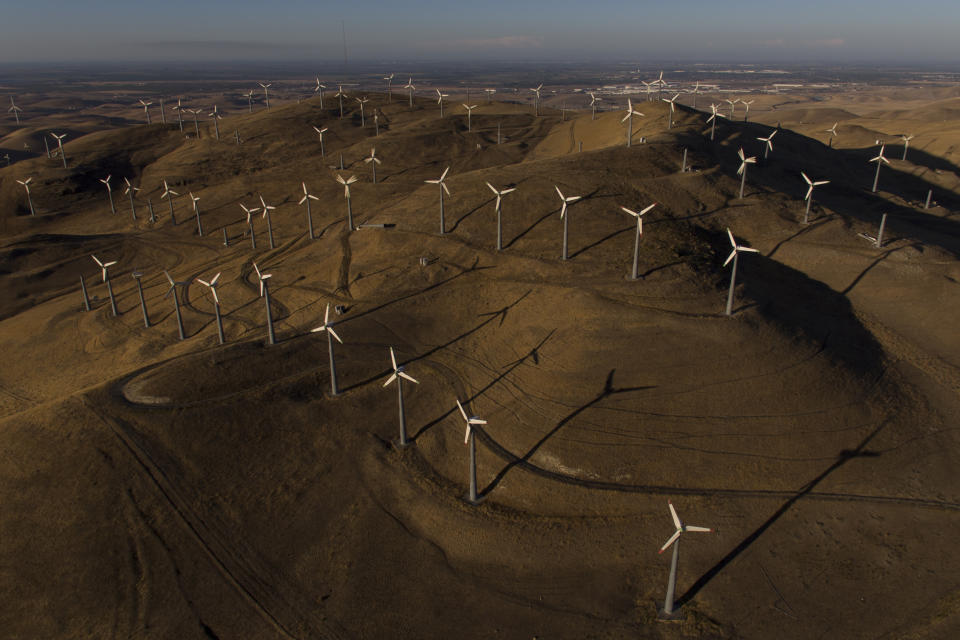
{"x": 697, "y": 529}
{"x": 733, "y": 243}
{"x": 392, "y": 377}
{"x": 407, "y": 377}
{"x": 462, "y": 412}
{"x": 673, "y": 514}
{"x": 733, "y": 254}
{"x": 334, "y": 334}
{"x": 673, "y": 538}
{"x": 393, "y": 359}
{"x": 326, "y": 315}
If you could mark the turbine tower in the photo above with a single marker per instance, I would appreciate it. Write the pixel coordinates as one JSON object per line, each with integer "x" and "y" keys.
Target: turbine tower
{"x": 906, "y": 144}
{"x": 410, "y": 89}
{"x": 536, "y": 100}
{"x": 879, "y": 160}
{"x": 266, "y": 94}
{"x": 671, "y": 102}
{"x": 106, "y": 182}
{"x": 168, "y": 193}
{"x": 15, "y": 109}
{"x": 443, "y": 187}
{"x": 176, "y": 301}
{"x": 674, "y": 540}
{"x": 146, "y": 109}
{"x": 196, "y": 211}
{"x": 389, "y": 80}
{"x": 714, "y": 115}
{"x": 636, "y": 245}
{"x": 746, "y": 105}
{"x": 833, "y": 133}
{"x": 339, "y": 95}
{"x": 346, "y": 194}
{"x": 216, "y": 116}
{"x": 327, "y": 327}
{"x": 249, "y": 96}
{"x": 26, "y": 187}
{"x": 440, "y": 97}
{"x": 767, "y": 143}
{"x": 742, "y": 171}
{"x": 266, "y": 208}
{"x": 373, "y": 161}
{"x": 809, "y": 197}
{"x": 499, "y": 195}
{"x": 593, "y": 106}
{"x": 143, "y": 303}
{"x": 250, "y": 212}
{"x": 104, "y": 269}
{"x": 399, "y": 375}
{"x": 734, "y": 255}
{"x": 307, "y": 197}
{"x": 60, "y": 138}
{"x": 320, "y": 132}
{"x": 131, "y": 191}
{"x": 470, "y": 439}
{"x": 629, "y": 120}
{"x": 319, "y": 89}
{"x": 362, "y": 101}
{"x": 567, "y": 200}
{"x": 265, "y": 294}
{"x": 212, "y": 285}
{"x": 469, "y": 116}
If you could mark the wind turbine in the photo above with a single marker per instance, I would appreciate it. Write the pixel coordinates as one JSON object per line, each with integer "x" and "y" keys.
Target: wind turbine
{"x": 672, "y": 107}
{"x": 143, "y": 303}
{"x": 389, "y": 80}
{"x": 319, "y": 89}
{"x": 489, "y": 93}
{"x": 216, "y": 116}
{"x": 212, "y": 285}
{"x": 713, "y": 119}
{"x": 106, "y": 181}
{"x": 26, "y": 186}
{"x": 410, "y": 89}
{"x": 629, "y": 120}
{"x": 373, "y": 161}
{"x": 60, "y": 138}
{"x": 104, "y": 268}
{"x": 307, "y": 197}
{"x": 168, "y": 193}
{"x": 440, "y": 97}
{"x": 906, "y": 144}
{"x": 15, "y": 109}
{"x": 146, "y": 109}
{"x": 320, "y": 132}
{"x": 470, "y": 438}
{"x": 833, "y": 134}
{"x": 809, "y": 197}
{"x": 179, "y": 110}
{"x": 131, "y": 191}
{"x": 593, "y": 106}
{"x": 196, "y": 211}
{"x": 340, "y": 94}
{"x": 732, "y": 104}
{"x": 250, "y": 212}
{"x": 536, "y": 101}
{"x": 443, "y": 187}
{"x": 768, "y": 143}
{"x": 563, "y": 216}
{"x": 469, "y": 116}
{"x": 636, "y": 246}
{"x": 649, "y": 86}
{"x": 660, "y": 85}
{"x": 496, "y": 206}
{"x": 346, "y": 194}
{"x": 364, "y": 100}
{"x": 734, "y": 255}
{"x": 746, "y": 104}
{"x": 879, "y": 160}
{"x": 249, "y": 96}
{"x": 742, "y": 171}
{"x": 674, "y": 540}
{"x": 266, "y": 94}
{"x": 327, "y": 327}
{"x": 196, "y": 123}
{"x": 265, "y": 293}
{"x": 399, "y": 375}
{"x": 696, "y": 90}
{"x": 266, "y": 208}
{"x": 176, "y": 301}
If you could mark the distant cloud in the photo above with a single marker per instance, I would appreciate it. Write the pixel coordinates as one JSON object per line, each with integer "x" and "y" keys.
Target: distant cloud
{"x": 504, "y": 42}
{"x": 830, "y": 42}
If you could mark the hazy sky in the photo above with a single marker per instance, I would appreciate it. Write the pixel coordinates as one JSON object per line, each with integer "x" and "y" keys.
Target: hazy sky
{"x": 761, "y": 31}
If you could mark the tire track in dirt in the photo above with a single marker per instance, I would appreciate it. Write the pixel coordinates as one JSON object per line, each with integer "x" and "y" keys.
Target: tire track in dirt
{"x": 267, "y": 591}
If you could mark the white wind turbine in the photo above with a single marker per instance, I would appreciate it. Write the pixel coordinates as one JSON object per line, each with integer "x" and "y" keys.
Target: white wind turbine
{"x": 629, "y": 120}
{"x": 346, "y": 194}
{"x": 319, "y": 89}
{"x": 636, "y": 246}
{"x": 266, "y": 94}
{"x": 196, "y": 122}
{"x": 320, "y": 132}
{"x": 340, "y": 95}
{"x": 593, "y": 106}
{"x": 469, "y": 116}
{"x": 742, "y": 171}
{"x": 307, "y": 197}
{"x": 732, "y": 104}
{"x": 567, "y": 200}
{"x": 440, "y": 97}
{"x": 143, "y": 303}
{"x": 443, "y": 187}
{"x": 60, "y": 138}
{"x": 671, "y": 102}
{"x": 470, "y": 438}
{"x": 674, "y": 540}
{"x": 327, "y": 327}
{"x": 400, "y": 375}
{"x": 104, "y": 268}
{"x": 216, "y": 116}
{"x": 266, "y": 208}
{"x": 106, "y": 181}
{"x": 649, "y": 86}
{"x": 660, "y": 85}
{"x": 168, "y": 193}
{"x": 131, "y": 191}
{"x": 746, "y": 104}
{"x": 265, "y": 293}
{"x": 714, "y": 115}
{"x": 833, "y": 133}
{"x": 249, "y": 96}
{"x": 389, "y": 80}
{"x": 362, "y": 101}
{"x": 809, "y": 197}
{"x": 410, "y": 89}
{"x": 906, "y": 144}
{"x": 489, "y": 93}
{"x": 212, "y": 285}
{"x": 146, "y": 109}
{"x": 500, "y": 195}
{"x": 26, "y": 186}
{"x": 176, "y": 301}
{"x": 696, "y": 90}
{"x": 734, "y": 255}
{"x": 250, "y": 212}
{"x": 767, "y": 143}
{"x": 15, "y": 109}
{"x": 196, "y": 211}
{"x": 879, "y": 160}
{"x": 373, "y": 161}
{"x": 179, "y": 110}
{"x": 536, "y": 102}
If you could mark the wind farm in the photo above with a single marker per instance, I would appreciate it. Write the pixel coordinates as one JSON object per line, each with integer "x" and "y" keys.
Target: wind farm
{"x": 202, "y": 439}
